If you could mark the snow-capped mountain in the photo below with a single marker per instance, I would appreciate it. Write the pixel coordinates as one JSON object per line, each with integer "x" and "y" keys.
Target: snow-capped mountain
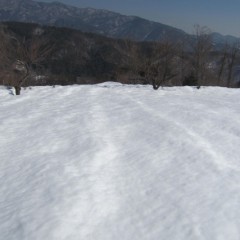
{"x": 86, "y": 19}
{"x": 99, "y": 21}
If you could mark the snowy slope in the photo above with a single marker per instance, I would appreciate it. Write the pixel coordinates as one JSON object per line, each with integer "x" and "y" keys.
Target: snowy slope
{"x": 109, "y": 162}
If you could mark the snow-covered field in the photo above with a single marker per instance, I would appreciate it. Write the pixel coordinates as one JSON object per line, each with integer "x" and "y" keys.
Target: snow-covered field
{"x": 115, "y": 162}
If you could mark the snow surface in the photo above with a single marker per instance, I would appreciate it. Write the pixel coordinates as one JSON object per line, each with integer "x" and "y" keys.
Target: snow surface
{"x": 114, "y": 161}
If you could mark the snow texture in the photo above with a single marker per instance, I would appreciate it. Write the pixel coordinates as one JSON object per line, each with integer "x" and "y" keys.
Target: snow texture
{"x": 120, "y": 162}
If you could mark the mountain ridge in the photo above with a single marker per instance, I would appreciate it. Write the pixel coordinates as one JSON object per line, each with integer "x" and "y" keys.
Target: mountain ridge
{"x": 98, "y": 21}
{"x": 86, "y": 19}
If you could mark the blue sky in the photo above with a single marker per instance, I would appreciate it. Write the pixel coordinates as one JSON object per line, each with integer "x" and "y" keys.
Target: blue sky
{"x": 219, "y": 15}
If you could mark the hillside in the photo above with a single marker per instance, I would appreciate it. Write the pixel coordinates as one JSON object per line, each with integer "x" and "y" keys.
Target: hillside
{"x": 115, "y": 162}
{"x": 98, "y": 21}
{"x": 86, "y": 19}
{"x": 78, "y": 57}
{"x": 85, "y": 58}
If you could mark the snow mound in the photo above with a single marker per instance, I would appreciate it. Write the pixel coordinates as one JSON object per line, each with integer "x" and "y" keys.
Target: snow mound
{"x": 112, "y": 161}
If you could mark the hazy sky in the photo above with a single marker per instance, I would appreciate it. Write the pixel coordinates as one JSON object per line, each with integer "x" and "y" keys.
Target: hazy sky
{"x": 219, "y": 15}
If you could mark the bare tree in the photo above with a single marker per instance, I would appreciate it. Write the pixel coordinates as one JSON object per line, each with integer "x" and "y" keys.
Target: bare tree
{"x": 128, "y": 70}
{"x": 201, "y": 47}
{"x": 222, "y": 65}
{"x": 232, "y": 55}
{"x": 226, "y": 63}
{"x": 158, "y": 68}
{"x": 20, "y": 56}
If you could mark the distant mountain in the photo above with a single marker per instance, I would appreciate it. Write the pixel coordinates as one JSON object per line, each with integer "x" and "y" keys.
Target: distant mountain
{"x": 103, "y": 22}
{"x": 221, "y": 40}
{"x": 87, "y": 19}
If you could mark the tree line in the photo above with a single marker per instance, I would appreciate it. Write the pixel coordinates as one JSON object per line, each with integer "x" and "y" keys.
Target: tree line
{"x": 192, "y": 62}
{"x": 31, "y": 54}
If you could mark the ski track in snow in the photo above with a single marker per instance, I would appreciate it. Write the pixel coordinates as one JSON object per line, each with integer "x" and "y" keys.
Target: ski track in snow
{"x": 201, "y": 143}
{"x": 120, "y": 162}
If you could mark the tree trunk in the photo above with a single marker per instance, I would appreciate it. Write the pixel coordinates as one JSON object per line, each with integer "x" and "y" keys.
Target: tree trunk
{"x": 17, "y": 90}
{"x": 220, "y": 73}
{"x": 155, "y": 86}
{"x": 229, "y": 78}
